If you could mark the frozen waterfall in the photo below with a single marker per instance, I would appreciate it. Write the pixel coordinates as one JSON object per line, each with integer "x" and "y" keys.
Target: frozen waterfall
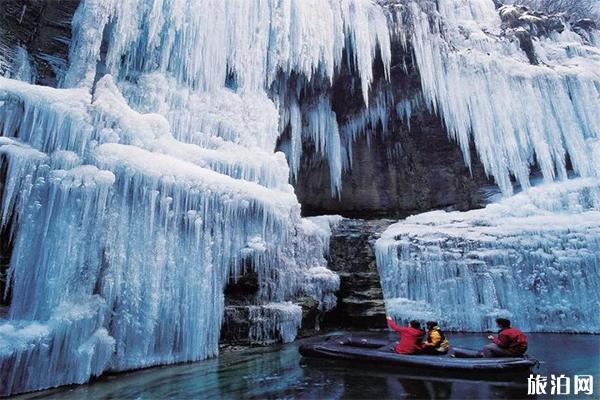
{"x": 144, "y": 184}
{"x": 533, "y": 258}
{"x": 134, "y": 233}
{"x": 148, "y": 180}
{"x": 518, "y": 116}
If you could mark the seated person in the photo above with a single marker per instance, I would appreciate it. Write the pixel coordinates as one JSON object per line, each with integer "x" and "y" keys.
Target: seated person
{"x": 435, "y": 342}
{"x": 510, "y": 342}
{"x": 411, "y": 337}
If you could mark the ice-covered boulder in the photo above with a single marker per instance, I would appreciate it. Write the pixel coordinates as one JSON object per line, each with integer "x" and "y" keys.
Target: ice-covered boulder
{"x": 532, "y": 258}
{"x": 514, "y": 16}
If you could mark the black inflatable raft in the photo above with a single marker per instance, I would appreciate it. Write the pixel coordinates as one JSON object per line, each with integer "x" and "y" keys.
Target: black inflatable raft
{"x": 374, "y": 351}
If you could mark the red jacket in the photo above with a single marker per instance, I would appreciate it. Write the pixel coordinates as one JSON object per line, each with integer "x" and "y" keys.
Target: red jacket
{"x": 512, "y": 339}
{"x": 410, "y": 338}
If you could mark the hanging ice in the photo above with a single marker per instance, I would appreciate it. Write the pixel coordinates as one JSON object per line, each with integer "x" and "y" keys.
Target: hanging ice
{"x": 138, "y": 190}
{"x": 253, "y": 41}
{"x": 517, "y": 115}
{"x": 533, "y": 258}
{"x": 134, "y": 197}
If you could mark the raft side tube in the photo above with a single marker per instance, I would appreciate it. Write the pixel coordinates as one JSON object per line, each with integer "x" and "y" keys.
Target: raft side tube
{"x": 380, "y": 352}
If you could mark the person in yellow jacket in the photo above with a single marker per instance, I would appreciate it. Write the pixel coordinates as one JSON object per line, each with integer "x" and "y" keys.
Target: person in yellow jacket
{"x": 436, "y": 342}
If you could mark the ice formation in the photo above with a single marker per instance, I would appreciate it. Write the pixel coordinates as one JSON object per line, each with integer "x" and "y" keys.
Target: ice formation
{"x": 275, "y": 320}
{"x": 139, "y": 188}
{"x": 111, "y": 214}
{"x": 320, "y": 283}
{"x": 533, "y": 258}
{"x": 517, "y": 115}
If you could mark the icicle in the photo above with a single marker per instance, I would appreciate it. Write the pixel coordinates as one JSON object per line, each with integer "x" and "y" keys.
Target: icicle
{"x": 515, "y": 113}
{"x": 89, "y": 22}
{"x": 532, "y": 257}
{"x": 322, "y": 129}
{"x": 253, "y": 40}
{"x": 275, "y": 321}
{"x": 366, "y": 123}
{"x": 23, "y": 70}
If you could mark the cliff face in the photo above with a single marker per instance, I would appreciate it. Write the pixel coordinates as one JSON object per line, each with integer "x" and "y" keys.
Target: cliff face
{"x": 401, "y": 160}
{"x": 41, "y": 27}
{"x": 352, "y": 256}
{"x": 426, "y": 172}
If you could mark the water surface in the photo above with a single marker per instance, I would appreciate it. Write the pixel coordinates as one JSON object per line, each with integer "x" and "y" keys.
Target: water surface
{"x": 279, "y": 372}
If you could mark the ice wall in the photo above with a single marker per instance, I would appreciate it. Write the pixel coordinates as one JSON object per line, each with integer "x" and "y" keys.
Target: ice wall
{"x": 139, "y": 188}
{"x": 517, "y": 115}
{"x": 111, "y": 214}
{"x": 533, "y": 258}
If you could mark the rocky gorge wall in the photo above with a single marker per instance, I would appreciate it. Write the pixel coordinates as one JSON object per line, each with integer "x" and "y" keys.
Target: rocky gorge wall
{"x": 352, "y": 256}
{"x": 41, "y": 28}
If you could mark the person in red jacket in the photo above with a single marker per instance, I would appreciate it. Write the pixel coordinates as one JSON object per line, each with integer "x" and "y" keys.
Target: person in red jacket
{"x": 510, "y": 342}
{"x": 411, "y": 337}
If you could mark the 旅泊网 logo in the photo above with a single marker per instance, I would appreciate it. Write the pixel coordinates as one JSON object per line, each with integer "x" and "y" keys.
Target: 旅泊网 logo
{"x": 560, "y": 385}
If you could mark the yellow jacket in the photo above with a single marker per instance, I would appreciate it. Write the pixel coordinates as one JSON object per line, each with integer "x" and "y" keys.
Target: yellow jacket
{"x": 436, "y": 339}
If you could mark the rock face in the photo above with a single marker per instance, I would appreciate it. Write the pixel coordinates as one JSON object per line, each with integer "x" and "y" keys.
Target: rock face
{"x": 43, "y": 28}
{"x": 237, "y": 320}
{"x": 408, "y": 166}
{"x": 426, "y": 172}
{"x": 352, "y": 257}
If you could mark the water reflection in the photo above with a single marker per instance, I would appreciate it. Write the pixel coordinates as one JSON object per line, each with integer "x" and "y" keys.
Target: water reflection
{"x": 279, "y": 372}
{"x": 377, "y": 383}
{"x": 416, "y": 389}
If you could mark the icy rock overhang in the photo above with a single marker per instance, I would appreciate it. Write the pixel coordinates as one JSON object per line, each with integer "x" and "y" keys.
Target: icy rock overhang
{"x": 518, "y": 88}
{"x": 532, "y": 258}
{"x": 517, "y": 115}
